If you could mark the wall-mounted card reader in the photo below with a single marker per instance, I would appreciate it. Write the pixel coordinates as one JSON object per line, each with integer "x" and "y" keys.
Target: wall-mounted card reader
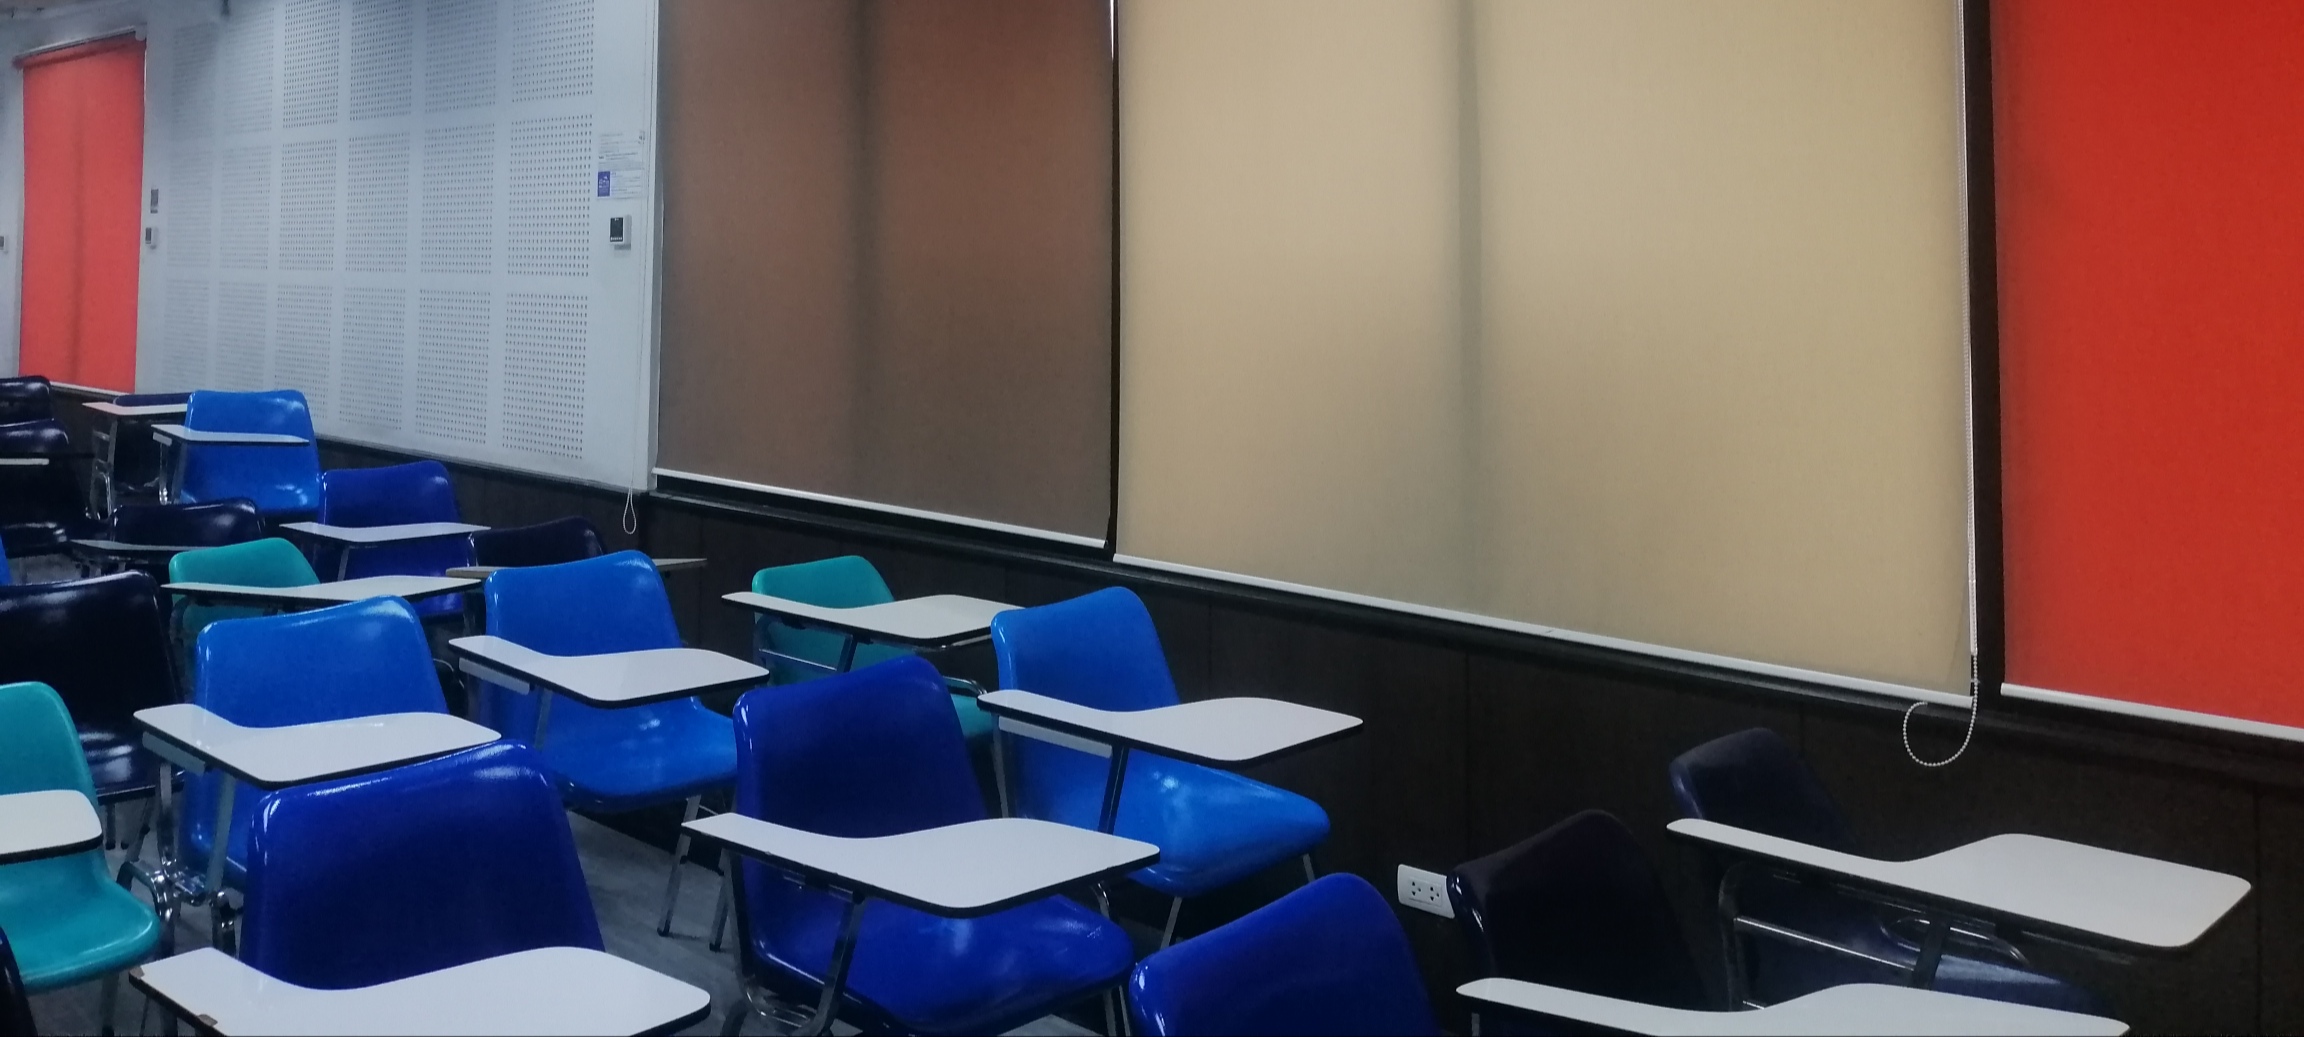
{"x": 619, "y": 231}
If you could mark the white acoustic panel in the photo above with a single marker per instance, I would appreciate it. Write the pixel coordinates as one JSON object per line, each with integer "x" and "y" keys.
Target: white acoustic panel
{"x": 243, "y": 328}
{"x": 312, "y": 63}
{"x": 460, "y": 57}
{"x": 460, "y": 189}
{"x": 304, "y": 342}
{"x": 372, "y": 366}
{"x": 395, "y": 206}
{"x": 376, "y": 206}
{"x": 382, "y": 61}
{"x": 244, "y": 209}
{"x": 308, "y": 205}
{"x": 549, "y": 201}
{"x": 545, "y": 345}
{"x": 551, "y": 49}
{"x": 454, "y": 336}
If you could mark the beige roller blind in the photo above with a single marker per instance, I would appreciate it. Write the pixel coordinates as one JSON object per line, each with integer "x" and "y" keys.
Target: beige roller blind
{"x": 1660, "y": 341}
{"x": 888, "y": 254}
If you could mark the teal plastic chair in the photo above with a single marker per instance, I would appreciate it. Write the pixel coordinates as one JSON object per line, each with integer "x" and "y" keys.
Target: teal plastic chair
{"x": 848, "y": 581}
{"x": 67, "y": 921}
{"x": 271, "y": 562}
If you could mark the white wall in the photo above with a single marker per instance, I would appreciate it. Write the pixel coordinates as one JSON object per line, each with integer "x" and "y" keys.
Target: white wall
{"x": 391, "y": 205}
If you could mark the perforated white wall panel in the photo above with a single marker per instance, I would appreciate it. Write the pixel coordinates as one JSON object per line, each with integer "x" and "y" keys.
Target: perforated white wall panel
{"x": 395, "y": 206}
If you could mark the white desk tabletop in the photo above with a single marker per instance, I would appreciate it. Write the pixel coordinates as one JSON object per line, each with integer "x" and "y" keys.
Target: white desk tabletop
{"x": 385, "y": 534}
{"x": 1866, "y": 1009}
{"x": 49, "y": 823}
{"x": 2069, "y": 888}
{"x": 610, "y": 680}
{"x": 935, "y": 621}
{"x": 149, "y": 410}
{"x": 1229, "y": 732}
{"x": 549, "y": 990}
{"x": 273, "y": 757}
{"x": 336, "y": 592}
{"x": 24, "y": 462}
{"x": 205, "y": 436}
{"x": 958, "y": 870}
{"x": 663, "y": 565}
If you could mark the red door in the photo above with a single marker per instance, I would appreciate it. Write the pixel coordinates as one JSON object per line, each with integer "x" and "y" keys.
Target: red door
{"x": 83, "y": 181}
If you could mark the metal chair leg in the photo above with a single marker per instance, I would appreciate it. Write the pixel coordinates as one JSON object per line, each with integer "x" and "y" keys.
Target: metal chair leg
{"x": 679, "y": 856}
{"x": 110, "y": 1001}
{"x": 1309, "y": 874}
{"x": 1175, "y": 911}
{"x": 727, "y": 896}
{"x": 737, "y": 1012}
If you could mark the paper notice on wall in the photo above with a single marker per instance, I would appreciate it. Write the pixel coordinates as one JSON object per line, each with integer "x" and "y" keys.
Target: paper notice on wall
{"x": 623, "y": 166}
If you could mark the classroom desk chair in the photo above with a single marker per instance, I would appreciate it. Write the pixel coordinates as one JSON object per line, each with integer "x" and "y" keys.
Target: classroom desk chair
{"x": 65, "y": 918}
{"x": 126, "y": 460}
{"x": 102, "y": 644}
{"x": 877, "y": 752}
{"x": 1213, "y": 827}
{"x": 214, "y": 524}
{"x": 570, "y": 539}
{"x": 26, "y": 398}
{"x": 42, "y": 508}
{"x": 849, "y": 581}
{"x": 392, "y": 495}
{"x": 1329, "y": 958}
{"x": 607, "y": 760}
{"x": 284, "y": 481}
{"x": 1755, "y": 780}
{"x": 15, "y": 1002}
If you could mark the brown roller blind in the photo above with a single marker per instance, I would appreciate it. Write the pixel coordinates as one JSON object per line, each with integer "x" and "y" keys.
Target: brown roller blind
{"x": 888, "y": 253}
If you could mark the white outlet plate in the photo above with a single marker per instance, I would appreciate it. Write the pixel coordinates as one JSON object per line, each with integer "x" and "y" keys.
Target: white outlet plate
{"x": 1425, "y": 891}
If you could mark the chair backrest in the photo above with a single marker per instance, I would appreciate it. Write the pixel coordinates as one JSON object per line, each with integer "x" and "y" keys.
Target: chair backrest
{"x": 282, "y": 480}
{"x": 233, "y": 521}
{"x": 15, "y": 1002}
{"x": 40, "y": 752}
{"x": 570, "y": 539}
{"x": 44, "y": 493}
{"x": 848, "y": 581}
{"x": 1577, "y": 906}
{"x": 361, "y": 659}
{"x": 26, "y": 398}
{"x": 1329, "y": 958}
{"x": 411, "y": 870}
{"x": 151, "y": 399}
{"x": 1098, "y": 650}
{"x": 419, "y": 491}
{"x": 613, "y": 603}
{"x": 102, "y": 643}
{"x": 270, "y": 562}
{"x": 34, "y": 436}
{"x": 1754, "y": 779}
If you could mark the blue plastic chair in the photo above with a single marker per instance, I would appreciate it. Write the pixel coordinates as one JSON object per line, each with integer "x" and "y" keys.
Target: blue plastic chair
{"x": 284, "y": 481}
{"x": 570, "y": 539}
{"x": 26, "y": 398}
{"x": 1755, "y": 780}
{"x": 849, "y": 581}
{"x": 878, "y": 752}
{"x": 100, "y": 643}
{"x": 1212, "y": 827}
{"x": 1329, "y": 958}
{"x": 402, "y": 872}
{"x": 607, "y": 760}
{"x": 363, "y": 659}
{"x": 1577, "y": 906}
{"x": 65, "y": 919}
{"x": 15, "y": 1001}
{"x": 418, "y": 491}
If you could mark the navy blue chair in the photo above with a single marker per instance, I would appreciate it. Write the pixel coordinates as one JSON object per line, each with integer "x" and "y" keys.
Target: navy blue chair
{"x": 1577, "y": 906}
{"x": 878, "y": 752}
{"x": 42, "y": 507}
{"x": 215, "y": 524}
{"x": 1212, "y": 827}
{"x": 26, "y": 398}
{"x": 362, "y": 659}
{"x": 15, "y": 1003}
{"x": 607, "y": 760}
{"x": 411, "y": 870}
{"x": 102, "y": 643}
{"x": 418, "y": 491}
{"x": 284, "y": 481}
{"x": 570, "y": 539}
{"x": 1329, "y": 958}
{"x": 1755, "y": 780}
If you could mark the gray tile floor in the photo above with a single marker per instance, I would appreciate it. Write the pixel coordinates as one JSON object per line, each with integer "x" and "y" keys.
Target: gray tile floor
{"x": 627, "y": 880}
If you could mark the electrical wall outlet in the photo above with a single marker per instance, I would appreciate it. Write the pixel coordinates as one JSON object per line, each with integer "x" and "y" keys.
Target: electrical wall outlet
{"x": 1425, "y": 891}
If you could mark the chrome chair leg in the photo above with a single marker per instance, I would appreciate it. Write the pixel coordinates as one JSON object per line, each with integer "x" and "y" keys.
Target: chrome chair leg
{"x": 727, "y": 896}
{"x": 1175, "y": 911}
{"x": 679, "y": 856}
{"x": 110, "y": 1002}
{"x": 1309, "y": 874}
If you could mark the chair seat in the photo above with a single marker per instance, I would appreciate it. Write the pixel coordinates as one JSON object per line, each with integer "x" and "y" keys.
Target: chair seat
{"x": 118, "y": 763}
{"x": 1212, "y": 827}
{"x": 612, "y": 767}
{"x": 929, "y": 974}
{"x": 68, "y": 923}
